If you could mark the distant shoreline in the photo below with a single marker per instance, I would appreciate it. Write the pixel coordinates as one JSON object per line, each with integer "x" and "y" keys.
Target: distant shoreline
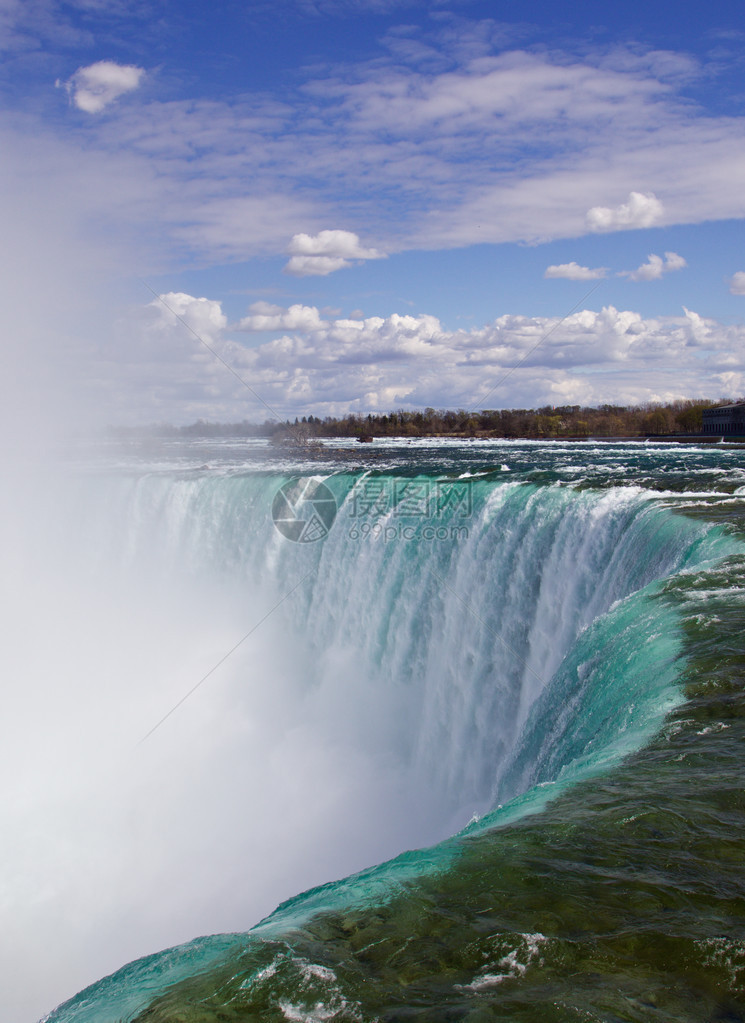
{"x": 676, "y": 422}
{"x": 696, "y": 439}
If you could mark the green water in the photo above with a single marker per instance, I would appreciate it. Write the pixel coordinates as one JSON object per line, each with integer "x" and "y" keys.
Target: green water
{"x": 623, "y": 900}
{"x": 620, "y": 896}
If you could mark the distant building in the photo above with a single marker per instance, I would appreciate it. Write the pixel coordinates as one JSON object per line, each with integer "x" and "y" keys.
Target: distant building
{"x": 725, "y": 419}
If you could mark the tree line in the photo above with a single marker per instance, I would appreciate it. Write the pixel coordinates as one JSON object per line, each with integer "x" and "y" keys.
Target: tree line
{"x": 569, "y": 421}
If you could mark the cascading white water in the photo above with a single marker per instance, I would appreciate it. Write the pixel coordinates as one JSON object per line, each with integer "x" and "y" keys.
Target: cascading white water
{"x": 374, "y": 710}
{"x": 420, "y": 656}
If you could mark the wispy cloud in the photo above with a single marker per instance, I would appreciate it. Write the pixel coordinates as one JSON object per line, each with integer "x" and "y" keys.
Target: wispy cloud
{"x": 95, "y": 87}
{"x": 574, "y": 272}
{"x": 342, "y": 7}
{"x": 506, "y": 148}
{"x": 655, "y": 267}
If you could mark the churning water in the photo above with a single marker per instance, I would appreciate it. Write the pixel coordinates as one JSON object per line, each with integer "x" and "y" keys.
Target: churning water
{"x": 522, "y": 660}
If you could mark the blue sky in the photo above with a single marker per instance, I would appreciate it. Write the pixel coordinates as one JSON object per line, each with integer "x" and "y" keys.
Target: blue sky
{"x": 368, "y": 204}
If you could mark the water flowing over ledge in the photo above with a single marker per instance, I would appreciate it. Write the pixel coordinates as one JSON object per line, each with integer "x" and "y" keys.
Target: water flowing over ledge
{"x": 529, "y": 644}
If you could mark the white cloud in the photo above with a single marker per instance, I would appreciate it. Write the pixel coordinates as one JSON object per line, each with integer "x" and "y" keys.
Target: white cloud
{"x": 574, "y": 272}
{"x": 591, "y": 357}
{"x": 737, "y": 283}
{"x": 643, "y": 209}
{"x": 94, "y": 87}
{"x": 322, "y": 254}
{"x": 264, "y": 316}
{"x": 530, "y": 144}
{"x": 315, "y": 266}
{"x": 223, "y": 225}
{"x": 510, "y": 89}
{"x": 331, "y": 243}
{"x": 203, "y": 315}
{"x": 655, "y": 267}
{"x": 342, "y": 365}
